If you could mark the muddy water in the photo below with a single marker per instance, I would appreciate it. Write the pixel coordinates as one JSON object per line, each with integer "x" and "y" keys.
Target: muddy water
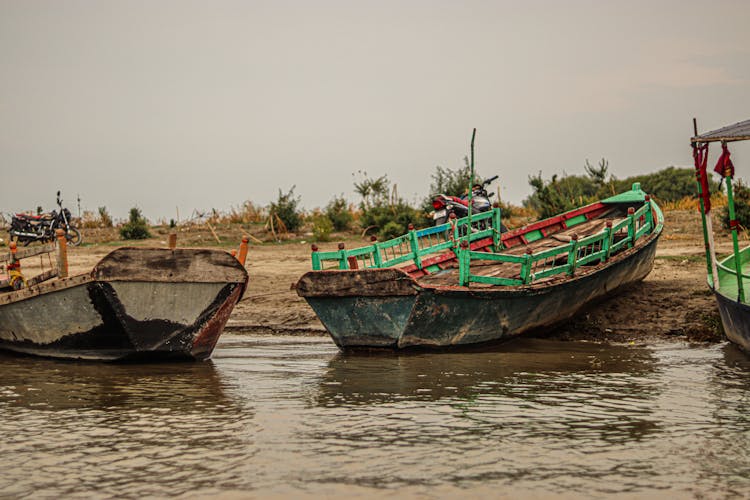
{"x": 286, "y": 416}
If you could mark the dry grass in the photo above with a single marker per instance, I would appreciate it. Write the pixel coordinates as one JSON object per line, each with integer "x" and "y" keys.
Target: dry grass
{"x": 718, "y": 200}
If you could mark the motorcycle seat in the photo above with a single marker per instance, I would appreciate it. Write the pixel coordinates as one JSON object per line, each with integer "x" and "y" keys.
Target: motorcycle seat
{"x": 35, "y": 217}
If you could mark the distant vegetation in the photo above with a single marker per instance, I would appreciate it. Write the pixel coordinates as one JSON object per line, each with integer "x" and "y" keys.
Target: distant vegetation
{"x": 741, "y": 194}
{"x": 104, "y": 217}
{"x": 559, "y": 194}
{"x": 340, "y": 214}
{"x": 286, "y": 209}
{"x": 381, "y": 211}
{"x": 137, "y": 226}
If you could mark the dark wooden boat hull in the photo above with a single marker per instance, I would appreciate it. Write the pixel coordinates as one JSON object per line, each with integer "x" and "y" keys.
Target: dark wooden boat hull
{"x": 735, "y": 317}
{"x": 377, "y": 312}
{"x": 176, "y": 311}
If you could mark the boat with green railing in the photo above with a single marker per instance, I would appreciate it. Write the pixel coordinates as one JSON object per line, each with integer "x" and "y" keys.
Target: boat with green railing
{"x": 465, "y": 282}
{"x": 729, "y": 278}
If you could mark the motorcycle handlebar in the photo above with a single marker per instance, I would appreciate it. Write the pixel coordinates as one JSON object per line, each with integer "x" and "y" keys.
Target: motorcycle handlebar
{"x": 490, "y": 180}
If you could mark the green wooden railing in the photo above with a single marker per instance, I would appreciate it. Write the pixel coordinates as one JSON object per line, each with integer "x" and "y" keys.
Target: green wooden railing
{"x": 565, "y": 258}
{"x": 414, "y": 246}
{"x": 455, "y": 236}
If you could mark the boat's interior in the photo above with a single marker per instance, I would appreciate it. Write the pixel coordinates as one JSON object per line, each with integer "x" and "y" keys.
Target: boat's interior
{"x": 554, "y": 234}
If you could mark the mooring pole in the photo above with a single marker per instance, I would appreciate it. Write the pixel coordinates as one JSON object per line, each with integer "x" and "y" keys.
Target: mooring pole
{"x": 471, "y": 184}
{"x": 735, "y": 242}
{"x": 708, "y": 235}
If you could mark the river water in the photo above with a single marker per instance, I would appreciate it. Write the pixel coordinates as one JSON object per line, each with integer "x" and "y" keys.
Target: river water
{"x": 284, "y": 416}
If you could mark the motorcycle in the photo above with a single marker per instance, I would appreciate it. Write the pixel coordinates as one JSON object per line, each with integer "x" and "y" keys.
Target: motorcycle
{"x": 446, "y": 205}
{"x": 26, "y": 228}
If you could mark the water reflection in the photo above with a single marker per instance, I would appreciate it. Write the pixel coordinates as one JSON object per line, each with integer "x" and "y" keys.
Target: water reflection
{"x": 50, "y": 385}
{"x": 527, "y": 368}
{"x": 293, "y": 417}
{"x": 113, "y": 429}
{"x": 491, "y": 412}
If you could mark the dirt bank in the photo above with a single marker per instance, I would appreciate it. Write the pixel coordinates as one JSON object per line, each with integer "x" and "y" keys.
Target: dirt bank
{"x": 673, "y": 301}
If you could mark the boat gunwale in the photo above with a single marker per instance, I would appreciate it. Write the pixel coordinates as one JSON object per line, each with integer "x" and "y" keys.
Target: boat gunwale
{"x": 60, "y": 284}
{"x": 492, "y": 290}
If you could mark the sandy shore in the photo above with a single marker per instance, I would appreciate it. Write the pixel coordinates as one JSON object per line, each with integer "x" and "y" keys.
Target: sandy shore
{"x": 673, "y": 301}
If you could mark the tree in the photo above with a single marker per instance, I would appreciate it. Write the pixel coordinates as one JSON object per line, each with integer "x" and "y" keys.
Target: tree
{"x": 286, "y": 208}
{"x": 382, "y": 208}
{"x": 137, "y": 226}
{"x": 339, "y": 214}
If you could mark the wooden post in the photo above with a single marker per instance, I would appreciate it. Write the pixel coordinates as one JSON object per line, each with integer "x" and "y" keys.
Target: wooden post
{"x": 13, "y": 249}
{"x": 343, "y": 263}
{"x": 315, "y": 258}
{"x": 464, "y": 264}
{"x": 62, "y": 254}
{"x": 526, "y": 267}
{"x": 14, "y": 263}
{"x": 377, "y": 259}
{"x": 649, "y": 214}
{"x": 735, "y": 243}
{"x": 172, "y": 240}
{"x": 14, "y": 268}
{"x": 607, "y": 241}
{"x": 572, "y": 254}
{"x": 242, "y": 256}
{"x": 414, "y": 243}
{"x": 496, "y": 227}
{"x": 454, "y": 230}
{"x": 353, "y": 263}
{"x": 631, "y": 227}
{"x": 471, "y": 183}
{"x": 708, "y": 232}
{"x": 213, "y": 231}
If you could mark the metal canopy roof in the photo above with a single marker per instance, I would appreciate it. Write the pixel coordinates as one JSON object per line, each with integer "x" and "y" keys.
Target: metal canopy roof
{"x": 737, "y": 132}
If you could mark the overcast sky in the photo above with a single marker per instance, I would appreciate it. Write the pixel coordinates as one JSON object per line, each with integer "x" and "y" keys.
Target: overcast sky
{"x": 165, "y": 104}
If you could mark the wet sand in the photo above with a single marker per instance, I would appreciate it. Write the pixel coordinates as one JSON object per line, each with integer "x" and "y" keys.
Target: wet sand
{"x": 672, "y": 302}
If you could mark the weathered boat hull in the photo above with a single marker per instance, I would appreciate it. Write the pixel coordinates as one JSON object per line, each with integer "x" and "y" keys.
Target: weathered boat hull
{"x": 378, "y": 314}
{"x": 137, "y": 303}
{"x": 735, "y": 317}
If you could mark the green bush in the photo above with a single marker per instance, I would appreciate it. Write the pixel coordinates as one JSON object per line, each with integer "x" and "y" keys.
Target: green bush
{"x": 104, "y": 217}
{"x": 741, "y": 194}
{"x": 286, "y": 208}
{"x": 339, "y": 214}
{"x": 322, "y": 228}
{"x": 392, "y": 230}
{"x": 383, "y": 210}
{"x": 136, "y": 228}
{"x": 390, "y": 221}
{"x": 667, "y": 184}
{"x": 560, "y": 194}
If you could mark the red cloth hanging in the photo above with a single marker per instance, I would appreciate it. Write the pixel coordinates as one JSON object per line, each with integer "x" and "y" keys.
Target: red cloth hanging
{"x": 700, "y": 157}
{"x": 724, "y": 162}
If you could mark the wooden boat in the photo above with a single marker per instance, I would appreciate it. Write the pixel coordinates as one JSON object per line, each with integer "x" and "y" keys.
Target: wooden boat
{"x": 434, "y": 287}
{"x": 729, "y": 278}
{"x": 136, "y": 303}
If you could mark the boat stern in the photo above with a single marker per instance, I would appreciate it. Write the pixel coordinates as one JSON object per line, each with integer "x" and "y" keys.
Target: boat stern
{"x": 171, "y": 303}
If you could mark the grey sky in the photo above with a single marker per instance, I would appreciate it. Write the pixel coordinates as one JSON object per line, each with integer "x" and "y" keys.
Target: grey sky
{"x": 207, "y": 104}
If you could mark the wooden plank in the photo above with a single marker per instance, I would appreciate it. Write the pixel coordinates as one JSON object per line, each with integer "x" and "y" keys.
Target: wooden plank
{"x": 181, "y": 265}
{"x": 492, "y": 280}
{"x": 550, "y": 272}
{"x": 39, "y": 278}
{"x": 497, "y": 257}
{"x": 25, "y": 253}
{"x": 364, "y": 283}
{"x": 590, "y": 258}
